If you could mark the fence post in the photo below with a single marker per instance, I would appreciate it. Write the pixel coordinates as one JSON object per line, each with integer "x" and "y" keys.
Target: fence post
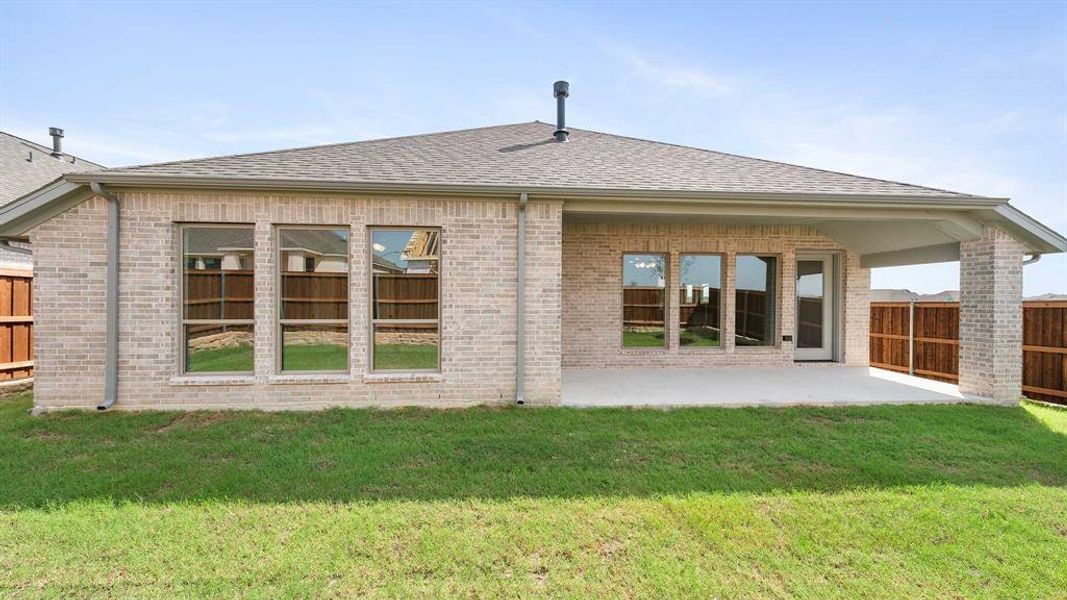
{"x": 911, "y": 337}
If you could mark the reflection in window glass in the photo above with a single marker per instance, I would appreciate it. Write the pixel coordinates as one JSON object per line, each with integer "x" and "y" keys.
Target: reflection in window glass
{"x": 810, "y": 303}
{"x": 405, "y": 299}
{"x": 217, "y": 299}
{"x": 699, "y": 299}
{"x": 314, "y": 299}
{"x": 644, "y": 286}
{"x": 755, "y": 306}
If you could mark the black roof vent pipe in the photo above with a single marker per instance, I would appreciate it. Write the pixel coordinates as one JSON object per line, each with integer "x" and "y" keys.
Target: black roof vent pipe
{"x": 57, "y": 141}
{"x": 561, "y": 89}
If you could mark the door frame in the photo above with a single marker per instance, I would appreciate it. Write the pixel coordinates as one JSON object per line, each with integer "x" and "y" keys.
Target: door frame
{"x": 831, "y": 310}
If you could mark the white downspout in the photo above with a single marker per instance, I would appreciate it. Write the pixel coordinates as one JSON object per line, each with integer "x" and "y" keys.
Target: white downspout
{"x": 111, "y": 352}
{"x": 520, "y": 307}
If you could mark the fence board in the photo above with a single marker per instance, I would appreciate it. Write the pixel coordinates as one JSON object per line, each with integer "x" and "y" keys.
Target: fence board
{"x": 936, "y": 343}
{"x": 16, "y": 325}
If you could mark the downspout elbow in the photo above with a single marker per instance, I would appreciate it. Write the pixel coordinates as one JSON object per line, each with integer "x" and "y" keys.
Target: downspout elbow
{"x": 111, "y": 352}
{"x": 1036, "y": 256}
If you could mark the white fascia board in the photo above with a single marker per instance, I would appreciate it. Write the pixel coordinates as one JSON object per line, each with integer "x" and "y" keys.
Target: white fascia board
{"x": 38, "y": 206}
{"x": 1038, "y": 237}
{"x": 539, "y": 193}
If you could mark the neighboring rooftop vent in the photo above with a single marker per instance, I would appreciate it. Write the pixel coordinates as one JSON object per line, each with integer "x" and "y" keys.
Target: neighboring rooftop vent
{"x": 561, "y": 89}
{"x": 57, "y": 141}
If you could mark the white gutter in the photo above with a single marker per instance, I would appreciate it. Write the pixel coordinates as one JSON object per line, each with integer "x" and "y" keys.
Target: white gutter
{"x": 546, "y": 193}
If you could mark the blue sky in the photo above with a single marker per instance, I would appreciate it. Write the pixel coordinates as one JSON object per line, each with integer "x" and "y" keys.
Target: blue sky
{"x": 965, "y": 96}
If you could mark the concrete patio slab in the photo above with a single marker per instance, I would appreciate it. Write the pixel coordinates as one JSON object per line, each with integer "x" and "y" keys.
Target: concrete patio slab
{"x": 829, "y": 385}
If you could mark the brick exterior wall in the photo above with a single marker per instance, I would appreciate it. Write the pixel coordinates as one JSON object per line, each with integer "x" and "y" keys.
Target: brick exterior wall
{"x": 991, "y": 328}
{"x": 477, "y": 303}
{"x": 592, "y": 292}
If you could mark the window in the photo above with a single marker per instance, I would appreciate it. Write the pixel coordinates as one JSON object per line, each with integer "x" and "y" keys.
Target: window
{"x": 217, "y": 299}
{"x": 313, "y": 310}
{"x": 644, "y": 286}
{"x": 699, "y": 293}
{"x": 405, "y": 309}
{"x": 756, "y": 301}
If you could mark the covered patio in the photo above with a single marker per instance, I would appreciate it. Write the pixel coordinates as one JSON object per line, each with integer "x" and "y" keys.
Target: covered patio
{"x": 823, "y": 385}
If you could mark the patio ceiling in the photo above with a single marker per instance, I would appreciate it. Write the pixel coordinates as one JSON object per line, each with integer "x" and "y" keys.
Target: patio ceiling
{"x": 883, "y": 235}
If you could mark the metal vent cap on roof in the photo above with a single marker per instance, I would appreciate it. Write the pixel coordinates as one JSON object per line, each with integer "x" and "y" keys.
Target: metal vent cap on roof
{"x": 561, "y": 89}
{"x": 57, "y": 141}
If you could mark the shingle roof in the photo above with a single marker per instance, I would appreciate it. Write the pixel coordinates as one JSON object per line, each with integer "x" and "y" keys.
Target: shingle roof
{"x": 26, "y": 166}
{"x": 525, "y": 154}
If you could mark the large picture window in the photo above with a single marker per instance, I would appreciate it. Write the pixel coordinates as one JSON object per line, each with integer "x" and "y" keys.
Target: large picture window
{"x": 405, "y": 307}
{"x": 313, "y": 306}
{"x": 217, "y": 299}
{"x": 644, "y": 286}
{"x": 699, "y": 292}
{"x": 756, "y": 301}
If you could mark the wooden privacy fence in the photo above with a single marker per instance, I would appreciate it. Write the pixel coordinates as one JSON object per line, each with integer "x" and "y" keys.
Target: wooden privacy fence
{"x": 643, "y": 306}
{"x": 16, "y": 325}
{"x": 923, "y": 338}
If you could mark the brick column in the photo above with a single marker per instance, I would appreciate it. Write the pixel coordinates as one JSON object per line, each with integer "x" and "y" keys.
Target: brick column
{"x": 991, "y": 294}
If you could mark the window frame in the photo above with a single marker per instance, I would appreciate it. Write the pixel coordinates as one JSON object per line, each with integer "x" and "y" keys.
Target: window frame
{"x": 280, "y": 323}
{"x": 722, "y": 304}
{"x": 666, "y": 301}
{"x": 372, "y": 322}
{"x": 183, "y": 322}
{"x": 776, "y": 342}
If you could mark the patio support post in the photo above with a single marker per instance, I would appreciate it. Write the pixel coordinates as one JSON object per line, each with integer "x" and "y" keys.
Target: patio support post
{"x": 991, "y": 293}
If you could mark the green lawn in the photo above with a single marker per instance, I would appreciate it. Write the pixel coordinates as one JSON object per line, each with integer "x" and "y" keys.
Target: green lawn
{"x": 405, "y": 356}
{"x": 880, "y": 502}
{"x": 655, "y": 338}
{"x": 643, "y": 338}
{"x": 231, "y": 359}
{"x": 317, "y": 357}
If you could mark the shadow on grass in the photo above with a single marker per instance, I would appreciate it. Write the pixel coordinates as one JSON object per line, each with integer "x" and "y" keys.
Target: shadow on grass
{"x": 354, "y": 455}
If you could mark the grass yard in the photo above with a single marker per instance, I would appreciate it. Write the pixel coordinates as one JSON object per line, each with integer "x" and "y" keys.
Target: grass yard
{"x": 315, "y": 357}
{"x": 880, "y": 502}
{"x": 405, "y": 356}
{"x": 655, "y": 338}
{"x": 231, "y": 359}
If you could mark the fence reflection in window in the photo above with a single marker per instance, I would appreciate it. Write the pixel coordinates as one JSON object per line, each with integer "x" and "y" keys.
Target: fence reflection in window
{"x": 217, "y": 299}
{"x": 313, "y": 319}
{"x": 756, "y": 301}
{"x": 405, "y": 305}
{"x": 644, "y": 286}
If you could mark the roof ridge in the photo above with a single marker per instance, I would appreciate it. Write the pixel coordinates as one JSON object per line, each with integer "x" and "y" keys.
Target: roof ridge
{"x": 318, "y": 146}
{"x": 48, "y": 151}
{"x": 778, "y": 162}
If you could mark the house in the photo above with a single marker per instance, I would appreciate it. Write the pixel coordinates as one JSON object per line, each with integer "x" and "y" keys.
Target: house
{"x": 24, "y": 167}
{"x": 489, "y": 265}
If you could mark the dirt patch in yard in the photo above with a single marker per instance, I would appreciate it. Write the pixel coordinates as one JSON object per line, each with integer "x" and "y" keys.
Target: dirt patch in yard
{"x": 194, "y": 420}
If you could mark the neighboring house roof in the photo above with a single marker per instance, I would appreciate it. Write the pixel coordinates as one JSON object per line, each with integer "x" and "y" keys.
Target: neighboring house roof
{"x": 26, "y": 166}
{"x": 884, "y": 295}
{"x": 319, "y": 241}
{"x": 206, "y": 241}
{"x": 216, "y": 240}
{"x": 525, "y": 154}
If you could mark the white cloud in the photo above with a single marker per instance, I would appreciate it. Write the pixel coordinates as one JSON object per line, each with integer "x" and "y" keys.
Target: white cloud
{"x": 671, "y": 75}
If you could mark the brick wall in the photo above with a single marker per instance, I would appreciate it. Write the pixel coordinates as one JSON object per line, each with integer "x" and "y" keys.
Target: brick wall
{"x": 477, "y": 303}
{"x": 991, "y": 327}
{"x": 592, "y": 292}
